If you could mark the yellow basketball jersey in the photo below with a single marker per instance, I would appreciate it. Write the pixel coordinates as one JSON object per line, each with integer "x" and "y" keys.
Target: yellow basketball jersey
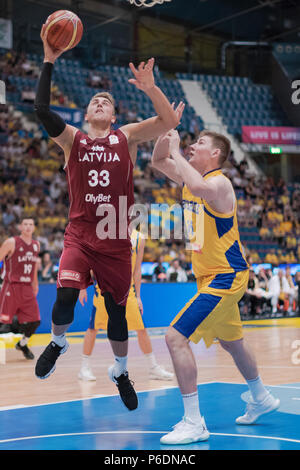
{"x": 214, "y": 237}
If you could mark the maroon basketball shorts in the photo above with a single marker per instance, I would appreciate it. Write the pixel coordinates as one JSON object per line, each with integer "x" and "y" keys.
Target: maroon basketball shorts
{"x": 109, "y": 262}
{"x": 18, "y": 299}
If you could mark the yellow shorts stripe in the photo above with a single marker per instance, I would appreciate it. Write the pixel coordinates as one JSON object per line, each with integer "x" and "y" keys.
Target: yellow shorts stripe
{"x": 213, "y": 312}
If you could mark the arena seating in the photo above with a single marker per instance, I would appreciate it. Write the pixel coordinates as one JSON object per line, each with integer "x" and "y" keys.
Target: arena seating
{"x": 239, "y": 101}
{"x": 288, "y": 56}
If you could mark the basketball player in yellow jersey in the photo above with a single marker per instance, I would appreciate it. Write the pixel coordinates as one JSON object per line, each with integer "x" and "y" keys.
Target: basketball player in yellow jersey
{"x": 221, "y": 271}
{"x": 134, "y": 311}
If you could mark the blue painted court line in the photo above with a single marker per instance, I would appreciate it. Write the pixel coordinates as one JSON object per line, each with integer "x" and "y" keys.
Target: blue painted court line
{"x": 104, "y": 423}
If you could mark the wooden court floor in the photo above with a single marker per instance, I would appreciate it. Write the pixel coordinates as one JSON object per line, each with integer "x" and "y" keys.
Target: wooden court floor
{"x": 276, "y": 344}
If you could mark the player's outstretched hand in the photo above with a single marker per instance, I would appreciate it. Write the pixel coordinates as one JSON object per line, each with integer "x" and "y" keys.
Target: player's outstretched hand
{"x": 144, "y": 78}
{"x": 178, "y": 111}
{"x": 50, "y": 55}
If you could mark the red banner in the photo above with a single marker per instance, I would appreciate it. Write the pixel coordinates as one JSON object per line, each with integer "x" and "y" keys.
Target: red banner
{"x": 271, "y": 135}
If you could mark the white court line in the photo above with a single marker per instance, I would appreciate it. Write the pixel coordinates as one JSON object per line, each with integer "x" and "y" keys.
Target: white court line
{"x": 143, "y": 432}
{"x": 97, "y": 396}
{"x": 141, "y": 391}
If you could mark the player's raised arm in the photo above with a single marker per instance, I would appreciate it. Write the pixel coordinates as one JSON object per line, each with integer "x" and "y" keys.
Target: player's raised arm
{"x": 161, "y": 160}
{"x": 166, "y": 118}
{"x": 62, "y": 133}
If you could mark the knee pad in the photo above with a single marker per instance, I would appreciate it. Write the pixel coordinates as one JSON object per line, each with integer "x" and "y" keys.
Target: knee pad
{"x": 117, "y": 329}
{"x": 29, "y": 328}
{"x": 15, "y": 326}
{"x": 5, "y": 328}
{"x": 63, "y": 309}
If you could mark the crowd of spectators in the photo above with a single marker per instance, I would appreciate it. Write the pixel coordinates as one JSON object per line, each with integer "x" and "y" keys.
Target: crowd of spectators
{"x": 33, "y": 182}
{"x": 271, "y": 293}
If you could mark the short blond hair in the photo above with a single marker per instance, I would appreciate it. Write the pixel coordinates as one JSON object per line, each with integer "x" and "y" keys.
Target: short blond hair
{"x": 106, "y": 95}
{"x": 220, "y": 142}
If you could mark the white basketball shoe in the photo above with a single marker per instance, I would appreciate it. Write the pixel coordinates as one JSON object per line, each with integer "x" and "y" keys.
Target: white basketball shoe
{"x": 159, "y": 373}
{"x": 186, "y": 432}
{"x": 86, "y": 374}
{"x": 256, "y": 409}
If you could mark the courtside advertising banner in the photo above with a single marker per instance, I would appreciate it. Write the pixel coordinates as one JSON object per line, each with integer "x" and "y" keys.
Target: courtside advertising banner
{"x": 271, "y": 135}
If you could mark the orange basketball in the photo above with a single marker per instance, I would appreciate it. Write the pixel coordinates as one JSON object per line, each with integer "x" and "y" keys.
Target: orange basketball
{"x": 63, "y": 29}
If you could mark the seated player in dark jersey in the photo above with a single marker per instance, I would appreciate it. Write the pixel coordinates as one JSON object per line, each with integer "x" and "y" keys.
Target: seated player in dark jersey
{"x": 99, "y": 169}
{"x": 20, "y": 285}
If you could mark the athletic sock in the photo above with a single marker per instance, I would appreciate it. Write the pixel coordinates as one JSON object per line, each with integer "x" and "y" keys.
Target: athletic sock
{"x": 59, "y": 340}
{"x": 257, "y": 389}
{"x": 151, "y": 359}
{"x": 120, "y": 365}
{"x": 191, "y": 406}
{"x": 23, "y": 341}
{"x": 85, "y": 360}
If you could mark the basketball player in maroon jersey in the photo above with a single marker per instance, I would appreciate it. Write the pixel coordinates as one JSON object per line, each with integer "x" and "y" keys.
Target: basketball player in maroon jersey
{"x": 20, "y": 284}
{"x": 99, "y": 169}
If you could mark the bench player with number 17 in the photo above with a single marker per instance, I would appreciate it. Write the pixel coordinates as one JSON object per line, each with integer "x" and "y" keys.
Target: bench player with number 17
{"x": 99, "y": 167}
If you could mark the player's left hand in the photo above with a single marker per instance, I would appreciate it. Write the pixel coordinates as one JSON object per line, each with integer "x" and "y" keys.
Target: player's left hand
{"x": 179, "y": 111}
{"x": 144, "y": 78}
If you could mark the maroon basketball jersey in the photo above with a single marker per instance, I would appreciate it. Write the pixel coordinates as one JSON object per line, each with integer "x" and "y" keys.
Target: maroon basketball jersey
{"x": 21, "y": 265}
{"x": 100, "y": 183}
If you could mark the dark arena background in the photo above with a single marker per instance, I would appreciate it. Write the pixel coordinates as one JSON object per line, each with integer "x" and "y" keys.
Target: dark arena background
{"x": 236, "y": 66}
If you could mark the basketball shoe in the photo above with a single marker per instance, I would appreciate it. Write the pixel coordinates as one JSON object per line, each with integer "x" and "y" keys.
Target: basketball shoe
{"x": 256, "y": 409}
{"x": 125, "y": 387}
{"x": 46, "y": 362}
{"x": 159, "y": 373}
{"x": 186, "y": 432}
{"x": 86, "y": 374}
{"x": 25, "y": 350}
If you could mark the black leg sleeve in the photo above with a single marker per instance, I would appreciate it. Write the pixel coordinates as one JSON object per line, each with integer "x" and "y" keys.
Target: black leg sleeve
{"x": 117, "y": 329}
{"x": 63, "y": 309}
{"x": 52, "y": 122}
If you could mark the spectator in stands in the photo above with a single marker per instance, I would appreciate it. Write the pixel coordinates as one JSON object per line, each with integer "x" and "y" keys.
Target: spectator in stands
{"x": 272, "y": 257}
{"x": 8, "y": 216}
{"x": 186, "y": 267}
{"x": 253, "y": 296}
{"x": 175, "y": 273}
{"x": 293, "y": 294}
{"x": 279, "y": 289}
{"x": 48, "y": 273}
{"x": 28, "y": 95}
{"x": 297, "y": 282}
{"x": 159, "y": 273}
